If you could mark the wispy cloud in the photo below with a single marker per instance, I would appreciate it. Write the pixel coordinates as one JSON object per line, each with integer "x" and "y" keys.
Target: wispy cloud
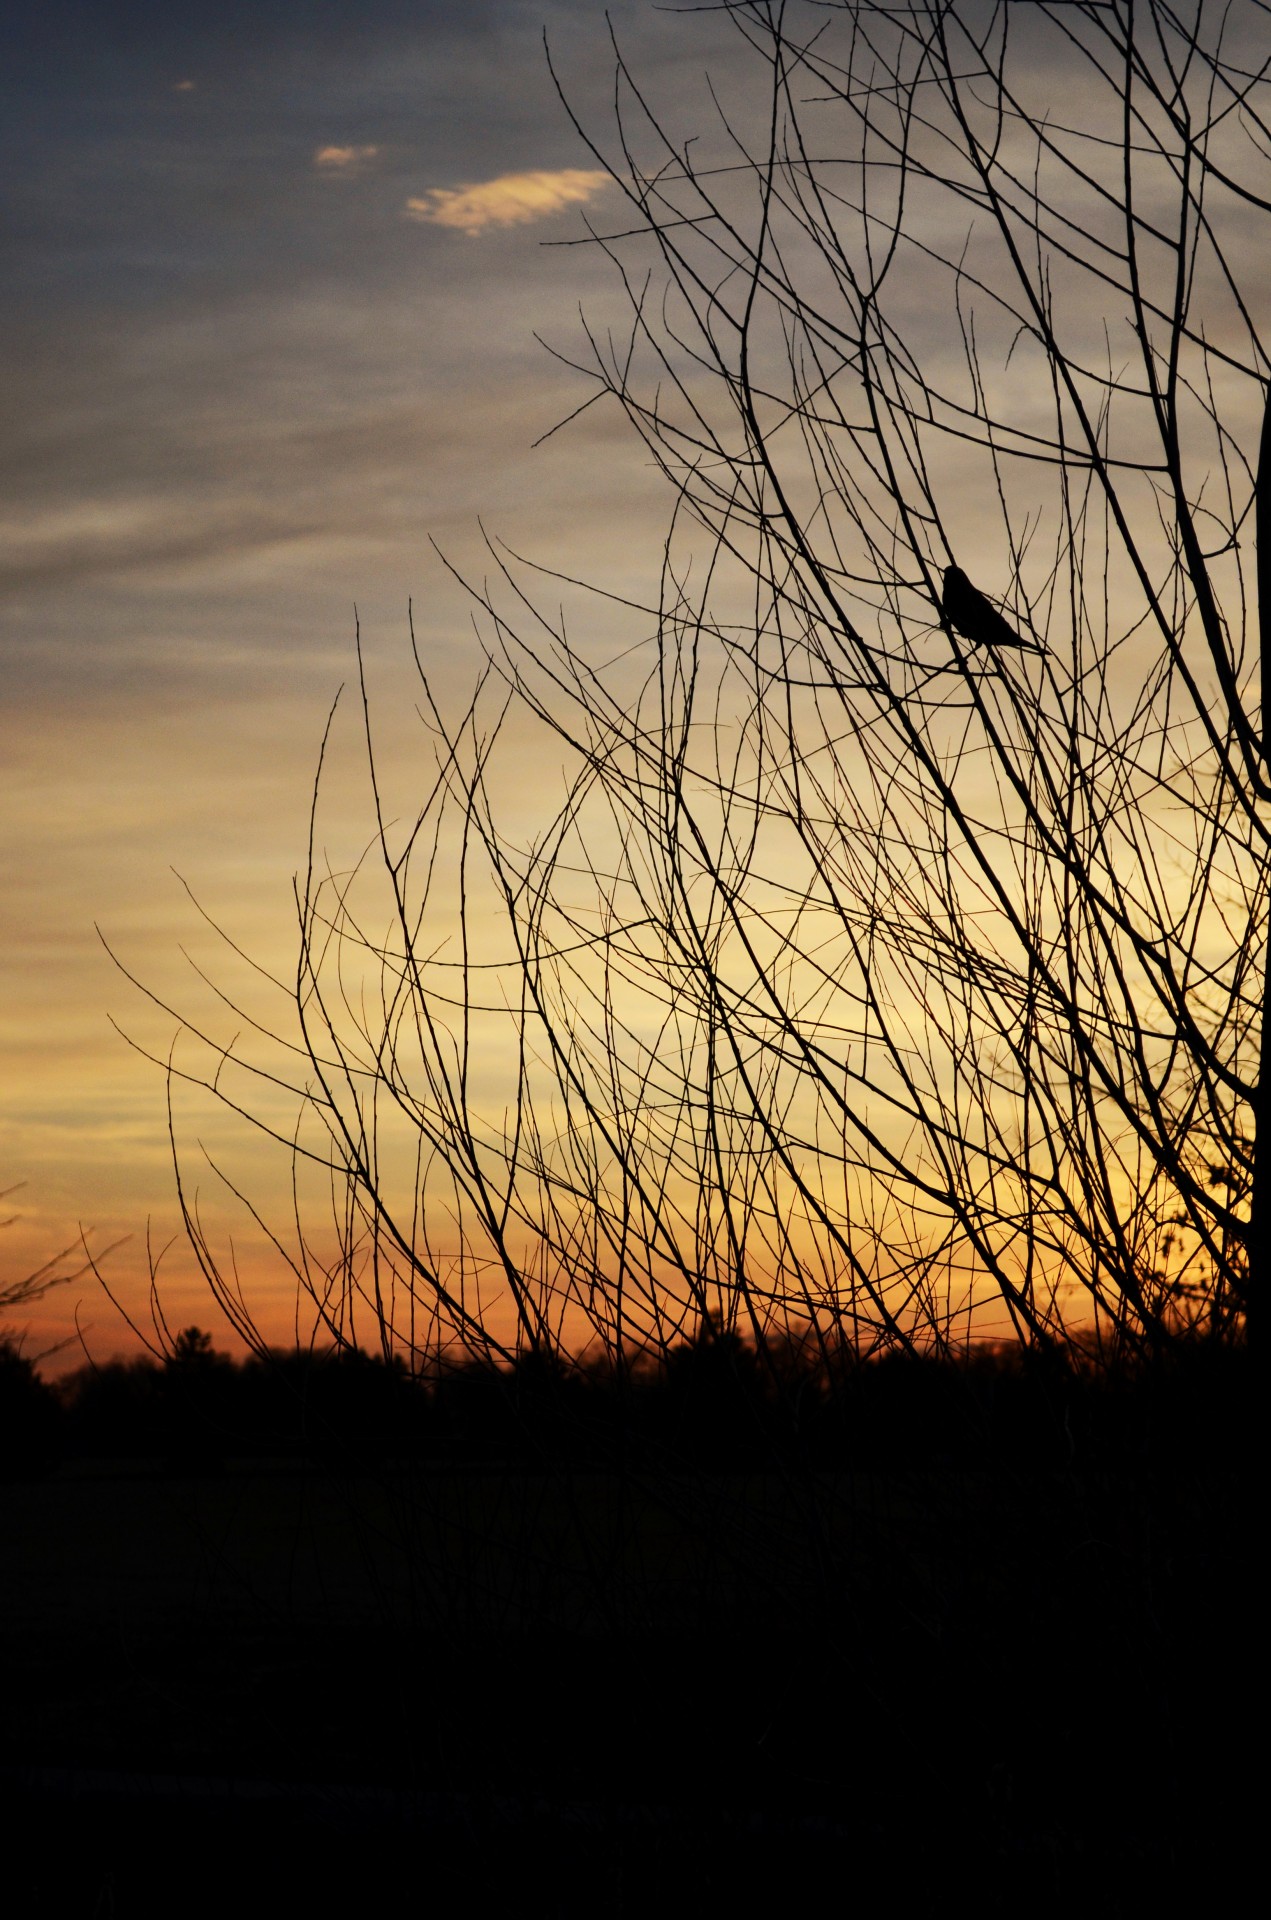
{"x": 343, "y": 159}
{"x": 512, "y": 200}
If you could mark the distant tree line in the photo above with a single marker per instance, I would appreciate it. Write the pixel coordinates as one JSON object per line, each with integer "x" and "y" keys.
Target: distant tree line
{"x": 721, "y": 1404}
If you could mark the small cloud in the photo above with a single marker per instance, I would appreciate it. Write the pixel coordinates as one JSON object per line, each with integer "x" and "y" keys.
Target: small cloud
{"x": 510, "y": 201}
{"x": 343, "y": 159}
{"x": 184, "y": 86}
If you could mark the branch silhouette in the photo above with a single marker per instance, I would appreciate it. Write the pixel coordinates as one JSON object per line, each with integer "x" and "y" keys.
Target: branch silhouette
{"x": 836, "y": 985}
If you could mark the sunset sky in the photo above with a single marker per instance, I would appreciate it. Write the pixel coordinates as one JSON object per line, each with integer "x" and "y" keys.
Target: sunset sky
{"x": 289, "y": 292}
{"x": 635, "y": 866}
{"x": 273, "y": 272}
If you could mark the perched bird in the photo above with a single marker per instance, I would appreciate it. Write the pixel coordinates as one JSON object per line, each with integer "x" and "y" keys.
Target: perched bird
{"x": 976, "y": 618}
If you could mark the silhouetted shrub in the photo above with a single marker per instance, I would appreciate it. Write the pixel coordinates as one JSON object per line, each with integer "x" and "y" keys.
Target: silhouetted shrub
{"x": 32, "y": 1424}
{"x": 720, "y": 1404}
{"x": 111, "y": 1408}
{"x": 199, "y": 1407}
{"x": 345, "y": 1407}
{"x": 714, "y": 1407}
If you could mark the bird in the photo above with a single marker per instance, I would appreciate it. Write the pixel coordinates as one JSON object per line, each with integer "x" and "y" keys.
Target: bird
{"x": 974, "y": 617}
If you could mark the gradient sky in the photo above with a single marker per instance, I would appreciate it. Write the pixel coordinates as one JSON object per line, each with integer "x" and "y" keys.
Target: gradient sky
{"x": 273, "y": 272}
{"x": 261, "y": 343}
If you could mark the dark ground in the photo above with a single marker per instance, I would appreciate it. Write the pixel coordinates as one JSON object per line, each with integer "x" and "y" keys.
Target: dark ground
{"x": 485, "y": 1686}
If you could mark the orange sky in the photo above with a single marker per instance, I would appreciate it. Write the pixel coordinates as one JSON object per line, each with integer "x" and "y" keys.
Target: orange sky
{"x": 272, "y": 292}
{"x": 273, "y": 286}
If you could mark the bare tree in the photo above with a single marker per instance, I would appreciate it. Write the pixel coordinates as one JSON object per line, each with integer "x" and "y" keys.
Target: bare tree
{"x": 896, "y": 949}
{"x": 55, "y": 1272}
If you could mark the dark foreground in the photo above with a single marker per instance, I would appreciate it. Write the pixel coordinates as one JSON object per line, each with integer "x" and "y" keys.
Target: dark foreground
{"x": 493, "y": 1688}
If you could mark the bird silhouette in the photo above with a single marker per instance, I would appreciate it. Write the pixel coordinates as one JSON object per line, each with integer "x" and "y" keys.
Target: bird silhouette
{"x": 974, "y": 617}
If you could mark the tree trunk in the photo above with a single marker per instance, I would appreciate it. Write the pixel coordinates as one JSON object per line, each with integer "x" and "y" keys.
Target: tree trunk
{"x": 1260, "y": 1198}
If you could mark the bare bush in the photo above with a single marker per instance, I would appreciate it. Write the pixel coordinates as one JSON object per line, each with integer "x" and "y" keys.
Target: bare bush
{"x": 894, "y": 953}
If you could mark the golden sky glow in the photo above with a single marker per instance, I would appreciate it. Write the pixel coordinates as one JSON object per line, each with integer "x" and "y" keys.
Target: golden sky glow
{"x": 257, "y": 379}
{"x": 241, "y": 404}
